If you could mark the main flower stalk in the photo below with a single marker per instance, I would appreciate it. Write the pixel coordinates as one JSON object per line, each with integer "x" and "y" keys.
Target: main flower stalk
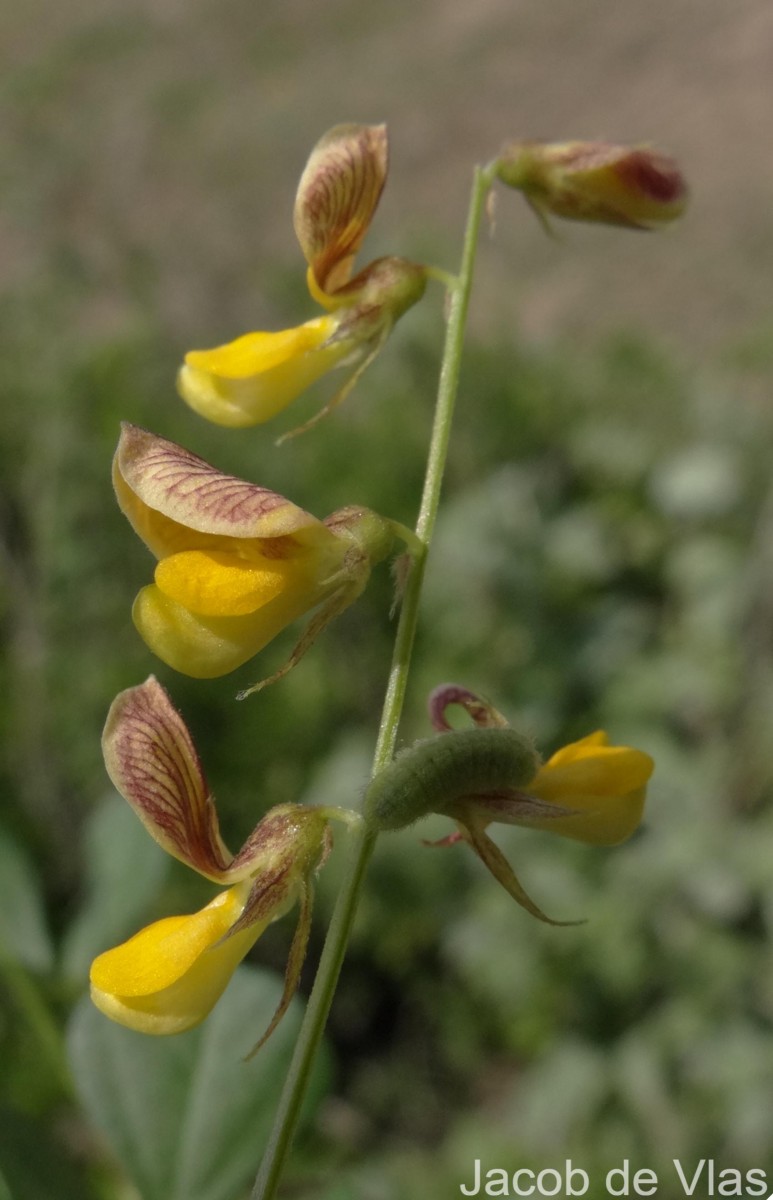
{"x": 362, "y": 842}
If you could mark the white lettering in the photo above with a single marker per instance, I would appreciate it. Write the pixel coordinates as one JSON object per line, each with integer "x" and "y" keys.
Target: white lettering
{"x": 756, "y": 1182}
{"x": 570, "y": 1174}
{"x": 623, "y": 1172}
{"x": 496, "y": 1175}
{"x": 475, "y": 1189}
{"x": 690, "y": 1187}
{"x": 643, "y": 1178}
{"x": 529, "y": 1191}
{"x": 542, "y": 1186}
{"x": 730, "y": 1182}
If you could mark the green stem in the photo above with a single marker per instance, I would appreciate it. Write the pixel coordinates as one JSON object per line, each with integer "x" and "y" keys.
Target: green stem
{"x": 363, "y": 841}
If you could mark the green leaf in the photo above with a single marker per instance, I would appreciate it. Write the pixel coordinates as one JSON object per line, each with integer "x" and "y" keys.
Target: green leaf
{"x": 34, "y": 1164}
{"x": 125, "y": 869}
{"x": 23, "y": 930}
{"x": 185, "y": 1115}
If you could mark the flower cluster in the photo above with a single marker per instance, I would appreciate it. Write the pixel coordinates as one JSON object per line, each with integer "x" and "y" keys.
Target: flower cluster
{"x": 237, "y": 563}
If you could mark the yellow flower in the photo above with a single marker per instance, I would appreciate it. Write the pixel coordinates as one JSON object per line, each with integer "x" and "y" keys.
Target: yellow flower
{"x": 250, "y": 380}
{"x": 167, "y": 978}
{"x": 236, "y": 562}
{"x": 633, "y": 186}
{"x": 599, "y": 788}
{"x": 589, "y": 790}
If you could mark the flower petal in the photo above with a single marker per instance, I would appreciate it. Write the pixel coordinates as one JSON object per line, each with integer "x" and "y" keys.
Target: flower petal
{"x": 159, "y": 533}
{"x": 153, "y": 763}
{"x": 337, "y": 197}
{"x": 207, "y": 647}
{"x": 168, "y": 977}
{"x": 163, "y": 952}
{"x": 604, "y": 785}
{"x": 214, "y": 583}
{"x": 187, "y": 490}
{"x": 253, "y": 378}
{"x": 592, "y": 766}
{"x": 256, "y": 353}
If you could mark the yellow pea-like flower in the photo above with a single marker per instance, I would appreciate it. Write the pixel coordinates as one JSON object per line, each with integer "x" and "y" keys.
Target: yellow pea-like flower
{"x": 250, "y": 380}
{"x": 236, "y": 562}
{"x": 601, "y": 788}
{"x": 167, "y": 978}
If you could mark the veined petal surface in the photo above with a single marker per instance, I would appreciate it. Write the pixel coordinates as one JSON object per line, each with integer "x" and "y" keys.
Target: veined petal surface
{"x": 151, "y": 759}
{"x": 337, "y": 196}
{"x": 190, "y": 492}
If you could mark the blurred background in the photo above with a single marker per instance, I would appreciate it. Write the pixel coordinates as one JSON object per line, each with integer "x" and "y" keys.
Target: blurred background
{"x": 604, "y": 558}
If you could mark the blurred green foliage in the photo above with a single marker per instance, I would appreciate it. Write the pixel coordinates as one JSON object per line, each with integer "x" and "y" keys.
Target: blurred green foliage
{"x": 603, "y": 559}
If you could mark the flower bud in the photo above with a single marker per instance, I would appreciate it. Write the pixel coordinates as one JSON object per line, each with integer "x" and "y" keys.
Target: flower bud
{"x": 632, "y": 186}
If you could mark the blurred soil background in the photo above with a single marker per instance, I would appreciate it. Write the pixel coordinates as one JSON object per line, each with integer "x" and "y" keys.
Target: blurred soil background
{"x": 604, "y": 557}
{"x": 169, "y": 136}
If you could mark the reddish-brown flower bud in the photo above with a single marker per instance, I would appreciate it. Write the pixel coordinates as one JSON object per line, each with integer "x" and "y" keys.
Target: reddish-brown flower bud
{"x": 633, "y": 186}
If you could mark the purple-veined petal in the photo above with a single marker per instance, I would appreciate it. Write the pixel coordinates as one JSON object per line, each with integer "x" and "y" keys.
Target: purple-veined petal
{"x": 337, "y": 196}
{"x": 186, "y": 489}
{"x": 153, "y": 763}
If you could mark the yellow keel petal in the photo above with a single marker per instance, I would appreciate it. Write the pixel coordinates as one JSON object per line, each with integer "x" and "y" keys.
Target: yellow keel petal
{"x": 219, "y": 584}
{"x": 253, "y": 378}
{"x": 161, "y": 953}
{"x": 168, "y": 977}
{"x": 207, "y": 647}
